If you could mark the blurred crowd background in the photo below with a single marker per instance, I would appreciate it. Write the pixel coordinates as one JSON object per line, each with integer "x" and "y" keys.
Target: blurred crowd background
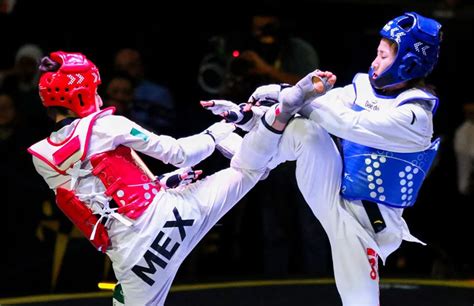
{"x": 157, "y": 62}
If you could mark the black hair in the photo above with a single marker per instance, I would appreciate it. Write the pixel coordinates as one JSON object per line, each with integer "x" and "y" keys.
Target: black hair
{"x": 48, "y": 65}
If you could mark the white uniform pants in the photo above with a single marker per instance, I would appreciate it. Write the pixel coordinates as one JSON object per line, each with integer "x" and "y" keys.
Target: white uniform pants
{"x": 354, "y": 244}
{"x": 146, "y": 256}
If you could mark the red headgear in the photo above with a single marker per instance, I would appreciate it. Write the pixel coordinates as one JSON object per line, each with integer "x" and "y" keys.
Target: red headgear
{"x": 73, "y": 85}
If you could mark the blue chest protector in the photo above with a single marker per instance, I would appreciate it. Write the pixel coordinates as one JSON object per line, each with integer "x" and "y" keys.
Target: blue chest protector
{"x": 380, "y": 176}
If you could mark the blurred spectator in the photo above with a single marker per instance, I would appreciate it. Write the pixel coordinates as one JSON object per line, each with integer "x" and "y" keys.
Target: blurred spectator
{"x": 6, "y": 6}
{"x": 453, "y": 9}
{"x": 464, "y": 148}
{"x": 7, "y": 116}
{"x": 22, "y": 81}
{"x": 446, "y": 9}
{"x": 25, "y": 71}
{"x": 464, "y": 156}
{"x": 22, "y": 196}
{"x": 154, "y": 105}
{"x": 119, "y": 91}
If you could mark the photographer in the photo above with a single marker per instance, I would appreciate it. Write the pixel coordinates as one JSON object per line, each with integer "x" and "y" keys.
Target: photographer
{"x": 269, "y": 55}
{"x": 275, "y": 55}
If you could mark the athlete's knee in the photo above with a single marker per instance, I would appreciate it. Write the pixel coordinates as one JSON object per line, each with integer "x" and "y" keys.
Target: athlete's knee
{"x": 304, "y": 134}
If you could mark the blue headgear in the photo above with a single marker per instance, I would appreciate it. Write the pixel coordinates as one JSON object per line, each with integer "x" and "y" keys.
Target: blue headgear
{"x": 418, "y": 39}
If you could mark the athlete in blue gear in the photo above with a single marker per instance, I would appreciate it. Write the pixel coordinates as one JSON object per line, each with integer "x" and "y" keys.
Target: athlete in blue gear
{"x": 384, "y": 120}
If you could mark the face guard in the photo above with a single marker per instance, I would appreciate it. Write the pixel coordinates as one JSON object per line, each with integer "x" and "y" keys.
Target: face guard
{"x": 418, "y": 42}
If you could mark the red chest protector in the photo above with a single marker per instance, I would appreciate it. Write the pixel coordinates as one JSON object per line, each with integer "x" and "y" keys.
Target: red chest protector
{"x": 126, "y": 179}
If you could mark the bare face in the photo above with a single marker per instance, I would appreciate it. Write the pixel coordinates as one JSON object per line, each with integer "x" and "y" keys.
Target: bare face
{"x": 260, "y": 23}
{"x": 129, "y": 60}
{"x": 121, "y": 90}
{"x": 385, "y": 57}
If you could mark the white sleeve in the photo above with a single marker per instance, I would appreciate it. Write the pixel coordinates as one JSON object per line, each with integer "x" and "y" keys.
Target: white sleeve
{"x": 182, "y": 152}
{"x": 407, "y": 128}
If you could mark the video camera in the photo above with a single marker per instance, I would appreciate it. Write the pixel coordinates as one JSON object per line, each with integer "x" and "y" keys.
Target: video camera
{"x": 221, "y": 66}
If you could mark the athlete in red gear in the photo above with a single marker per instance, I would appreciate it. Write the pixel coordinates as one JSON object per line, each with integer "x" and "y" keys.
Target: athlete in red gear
{"x": 89, "y": 161}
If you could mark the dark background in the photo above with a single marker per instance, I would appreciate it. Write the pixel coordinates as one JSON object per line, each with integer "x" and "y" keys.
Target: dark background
{"x": 174, "y": 37}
